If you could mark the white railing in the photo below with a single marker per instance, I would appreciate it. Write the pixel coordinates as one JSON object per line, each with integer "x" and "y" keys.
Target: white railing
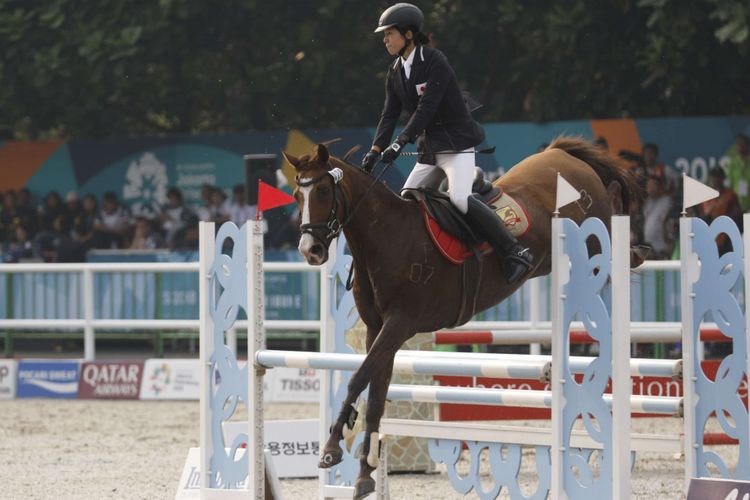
{"x": 89, "y": 324}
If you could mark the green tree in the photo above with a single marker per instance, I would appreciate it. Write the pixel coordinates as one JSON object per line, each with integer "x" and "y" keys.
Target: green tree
{"x": 122, "y": 67}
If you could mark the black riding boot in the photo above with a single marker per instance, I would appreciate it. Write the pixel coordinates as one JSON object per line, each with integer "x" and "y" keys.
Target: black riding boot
{"x": 488, "y": 225}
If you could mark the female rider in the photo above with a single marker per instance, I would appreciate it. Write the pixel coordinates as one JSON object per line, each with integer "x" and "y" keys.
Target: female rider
{"x": 421, "y": 82}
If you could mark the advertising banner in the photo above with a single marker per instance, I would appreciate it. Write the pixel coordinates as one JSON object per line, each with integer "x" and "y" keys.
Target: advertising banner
{"x": 171, "y": 379}
{"x": 292, "y": 444}
{"x": 717, "y": 489}
{"x": 110, "y": 380}
{"x": 293, "y": 385}
{"x": 47, "y": 379}
{"x": 647, "y": 386}
{"x": 7, "y": 378}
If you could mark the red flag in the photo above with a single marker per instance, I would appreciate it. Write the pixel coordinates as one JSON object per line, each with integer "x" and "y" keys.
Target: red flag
{"x": 269, "y": 197}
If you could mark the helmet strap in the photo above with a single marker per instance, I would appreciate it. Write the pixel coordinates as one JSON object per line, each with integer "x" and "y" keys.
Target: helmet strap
{"x": 409, "y": 41}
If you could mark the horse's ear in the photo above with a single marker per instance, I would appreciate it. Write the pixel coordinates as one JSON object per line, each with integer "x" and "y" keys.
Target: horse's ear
{"x": 321, "y": 153}
{"x": 293, "y": 160}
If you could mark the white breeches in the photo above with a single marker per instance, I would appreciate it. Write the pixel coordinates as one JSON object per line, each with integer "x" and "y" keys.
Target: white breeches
{"x": 458, "y": 168}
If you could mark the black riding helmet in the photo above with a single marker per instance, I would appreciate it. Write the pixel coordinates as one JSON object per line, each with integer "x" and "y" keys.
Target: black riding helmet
{"x": 403, "y": 16}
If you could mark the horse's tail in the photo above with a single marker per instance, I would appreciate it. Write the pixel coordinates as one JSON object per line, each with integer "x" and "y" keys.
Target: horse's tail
{"x": 607, "y": 168}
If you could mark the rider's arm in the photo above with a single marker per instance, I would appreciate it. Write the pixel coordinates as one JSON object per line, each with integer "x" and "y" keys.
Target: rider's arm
{"x": 389, "y": 116}
{"x": 439, "y": 76}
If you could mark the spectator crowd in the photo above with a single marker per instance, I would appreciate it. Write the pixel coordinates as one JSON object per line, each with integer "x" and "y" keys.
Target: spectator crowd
{"x": 655, "y": 219}
{"x": 60, "y": 230}
{"x": 65, "y": 230}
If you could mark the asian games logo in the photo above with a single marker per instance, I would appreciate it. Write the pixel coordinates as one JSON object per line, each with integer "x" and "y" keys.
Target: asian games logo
{"x": 160, "y": 378}
{"x": 146, "y": 185}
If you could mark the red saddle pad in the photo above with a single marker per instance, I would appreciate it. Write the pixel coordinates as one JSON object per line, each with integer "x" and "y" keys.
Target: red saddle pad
{"x": 507, "y": 208}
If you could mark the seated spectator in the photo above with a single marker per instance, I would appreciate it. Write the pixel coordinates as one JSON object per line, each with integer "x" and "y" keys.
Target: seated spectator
{"x": 727, "y": 203}
{"x": 72, "y": 208}
{"x": 206, "y": 192}
{"x": 220, "y": 202}
{"x": 204, "y": 211}
{"x": 215, "y": 208}
{"x": 145, "y": 237}
{"x": 57, "y": 245}
{"x": 19, "y": 247}
{"x": 83, "y": 224}
{"x": 240, "y": 212}
{"x": 655, "y": 211}
{"x": 653, "y": 166}
{"x": 112, "y": 224}
{"x": 179, "y": 222}
{"x": 51, "y": 210}
{"x": 9, "y": 216}
{"x": 27, "y": 212}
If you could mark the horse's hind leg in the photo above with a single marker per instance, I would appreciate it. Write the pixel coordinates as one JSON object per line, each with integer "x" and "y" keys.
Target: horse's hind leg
{"x": 332, "y": 453}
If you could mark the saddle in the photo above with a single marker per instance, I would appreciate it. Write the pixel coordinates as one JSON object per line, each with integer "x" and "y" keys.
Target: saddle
{"x": 438, "y": 206}
{"x": 450, "y": 233}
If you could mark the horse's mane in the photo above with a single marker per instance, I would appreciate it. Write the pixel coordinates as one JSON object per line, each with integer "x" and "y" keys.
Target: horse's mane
{"x": 607, "y": 168}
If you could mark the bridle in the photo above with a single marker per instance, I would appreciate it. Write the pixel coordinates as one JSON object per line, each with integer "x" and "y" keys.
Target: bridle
{"x": 333, "y": 225}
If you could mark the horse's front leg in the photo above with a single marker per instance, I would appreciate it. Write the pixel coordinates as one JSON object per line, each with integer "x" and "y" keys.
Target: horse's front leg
{"x": 369, "y": 460}
{"x": 332, "y": 453}
{"x": 383, "y": 351}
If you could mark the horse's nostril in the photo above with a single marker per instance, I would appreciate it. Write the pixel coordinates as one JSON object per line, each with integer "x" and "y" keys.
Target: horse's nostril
{"x": 317, "y": 250}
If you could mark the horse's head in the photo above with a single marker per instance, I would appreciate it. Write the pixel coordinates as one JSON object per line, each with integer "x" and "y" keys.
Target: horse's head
{"x": 320, "y": 203}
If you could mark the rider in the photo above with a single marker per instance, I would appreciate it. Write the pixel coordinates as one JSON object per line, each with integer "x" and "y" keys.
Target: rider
{"x": 422, "y": 82}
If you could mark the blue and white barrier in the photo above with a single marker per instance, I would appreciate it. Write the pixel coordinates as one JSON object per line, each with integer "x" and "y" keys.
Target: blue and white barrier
{"x": 228, "y": 283}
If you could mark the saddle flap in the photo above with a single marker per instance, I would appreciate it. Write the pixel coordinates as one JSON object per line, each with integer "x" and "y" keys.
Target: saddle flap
{"x": 438, "y": 205}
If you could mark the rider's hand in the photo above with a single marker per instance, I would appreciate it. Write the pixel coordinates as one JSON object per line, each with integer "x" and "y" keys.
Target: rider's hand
{"x": 391, "y": 152}
{"x": 370, "y": 160}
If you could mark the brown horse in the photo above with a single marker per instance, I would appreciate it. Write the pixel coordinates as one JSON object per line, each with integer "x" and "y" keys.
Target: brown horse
{"x": 402, "y": 284}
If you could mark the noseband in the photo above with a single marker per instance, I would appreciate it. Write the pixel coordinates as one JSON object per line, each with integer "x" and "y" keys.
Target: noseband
{"x": 333, "y": 225}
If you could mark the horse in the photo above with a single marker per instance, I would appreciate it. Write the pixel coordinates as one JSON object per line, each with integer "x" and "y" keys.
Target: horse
{"x": 403, "y": 285}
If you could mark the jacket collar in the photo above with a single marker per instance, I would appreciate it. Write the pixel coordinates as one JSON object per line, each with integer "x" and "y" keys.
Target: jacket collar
{"x": 418, "y": 56}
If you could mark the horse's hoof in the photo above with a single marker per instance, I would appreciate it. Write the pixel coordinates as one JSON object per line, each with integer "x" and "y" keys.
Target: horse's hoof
{"x": 329, "y": 458}
{"x": 363, "y": 487}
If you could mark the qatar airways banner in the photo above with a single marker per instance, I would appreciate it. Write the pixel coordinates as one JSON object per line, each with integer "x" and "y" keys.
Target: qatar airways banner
{"x": 110, "y": 380}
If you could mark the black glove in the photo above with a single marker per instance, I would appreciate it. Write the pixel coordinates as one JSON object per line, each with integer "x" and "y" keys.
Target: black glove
{"x": 370, "y": 160}
{"x": 391, "y": 152}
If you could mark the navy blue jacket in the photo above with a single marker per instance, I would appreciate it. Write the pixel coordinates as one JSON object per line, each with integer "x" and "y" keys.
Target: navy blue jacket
{"x": 439, "y": 117}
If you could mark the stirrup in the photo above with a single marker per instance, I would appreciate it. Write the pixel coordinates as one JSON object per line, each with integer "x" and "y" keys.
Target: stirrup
{"x": 522, "y": 256}
{"x": 518, "y": 263}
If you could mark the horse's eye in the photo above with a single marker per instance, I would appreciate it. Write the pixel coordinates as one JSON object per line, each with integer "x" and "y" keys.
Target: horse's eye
{"x": 323, "y": 191}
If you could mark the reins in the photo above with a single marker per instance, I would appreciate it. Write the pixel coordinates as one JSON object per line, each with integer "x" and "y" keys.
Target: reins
{"x": 367, "y": 191}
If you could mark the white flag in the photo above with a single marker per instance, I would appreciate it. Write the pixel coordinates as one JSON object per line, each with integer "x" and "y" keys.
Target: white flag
{"x": 565, "y": 193}
{"x": 695, "y": 192}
